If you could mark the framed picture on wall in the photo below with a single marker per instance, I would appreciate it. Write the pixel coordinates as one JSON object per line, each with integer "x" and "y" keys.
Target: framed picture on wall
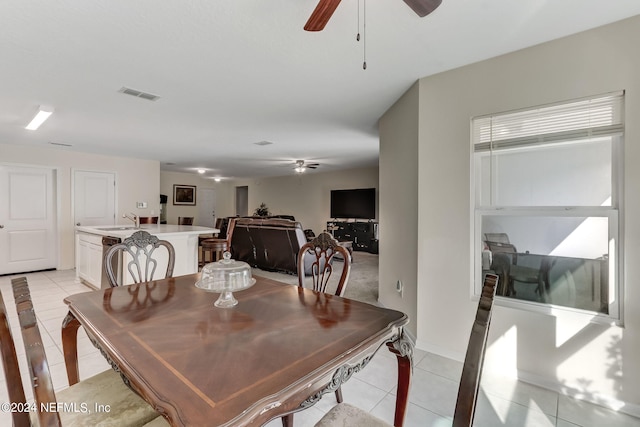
{"x": 184, "y": 195}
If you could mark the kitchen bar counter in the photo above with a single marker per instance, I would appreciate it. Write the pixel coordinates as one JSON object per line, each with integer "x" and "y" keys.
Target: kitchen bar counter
{"x": 89, "y": 248}
{"x": 155, "y": 229}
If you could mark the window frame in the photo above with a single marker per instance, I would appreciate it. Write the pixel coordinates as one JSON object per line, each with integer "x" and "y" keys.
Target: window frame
{"x": 614, "y": 213}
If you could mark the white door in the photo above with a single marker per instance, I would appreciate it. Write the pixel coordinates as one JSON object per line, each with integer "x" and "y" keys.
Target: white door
{"x": 28, "y": 238}
{"x": 206, "y": 207}
{"x": 94, "y": 198}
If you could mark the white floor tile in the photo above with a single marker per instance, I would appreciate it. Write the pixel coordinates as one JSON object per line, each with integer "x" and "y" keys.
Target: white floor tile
{"x": 416, "y": 415}
{"x": 358, "y": 393}
{"x": 493, "y": 411}
{"x": 433, "y": 392}
{"x": 521, "y": 392}
{"x": 587, "y": 414}
{"x": 442, "y": 366}
{"x": 381, "y": 372}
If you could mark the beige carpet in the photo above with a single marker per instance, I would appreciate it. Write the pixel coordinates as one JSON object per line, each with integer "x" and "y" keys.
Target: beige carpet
{"x": 363, "y": 279}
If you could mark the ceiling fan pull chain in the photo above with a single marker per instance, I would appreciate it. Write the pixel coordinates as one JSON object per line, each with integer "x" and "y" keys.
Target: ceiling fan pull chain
{"x": 358, "y": 35}
{"x": 364, "y": 34}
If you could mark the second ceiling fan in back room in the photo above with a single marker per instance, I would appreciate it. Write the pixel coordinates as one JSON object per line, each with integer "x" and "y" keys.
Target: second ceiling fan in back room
{"x": 325, "y": 9}
{"x": 301, "y": 166}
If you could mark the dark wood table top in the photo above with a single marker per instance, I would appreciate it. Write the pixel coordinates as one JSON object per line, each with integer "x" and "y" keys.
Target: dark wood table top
{"x": 276, "y": 352}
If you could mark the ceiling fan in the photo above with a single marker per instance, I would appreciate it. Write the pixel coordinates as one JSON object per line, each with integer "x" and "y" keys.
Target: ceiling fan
{"x": 301, "y": 166}
{"x": 325, "y": 8}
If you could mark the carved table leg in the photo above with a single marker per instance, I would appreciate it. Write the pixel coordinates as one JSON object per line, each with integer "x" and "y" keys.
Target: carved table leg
{"x": 70, "y": 327}
{"x": 403, "y": 349}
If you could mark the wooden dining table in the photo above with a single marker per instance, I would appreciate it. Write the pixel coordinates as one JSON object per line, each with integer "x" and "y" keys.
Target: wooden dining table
{"x": 277, "y": 352}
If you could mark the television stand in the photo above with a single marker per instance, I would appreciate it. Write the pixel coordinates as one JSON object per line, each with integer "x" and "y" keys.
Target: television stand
{"x": 363, "y": 235}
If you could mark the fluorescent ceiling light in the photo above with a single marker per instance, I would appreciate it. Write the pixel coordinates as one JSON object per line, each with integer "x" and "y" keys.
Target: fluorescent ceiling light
{"x": 42, "y": 115}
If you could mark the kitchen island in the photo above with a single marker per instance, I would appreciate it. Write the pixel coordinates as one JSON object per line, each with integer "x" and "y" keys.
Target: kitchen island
{"x": 90, "y": 249}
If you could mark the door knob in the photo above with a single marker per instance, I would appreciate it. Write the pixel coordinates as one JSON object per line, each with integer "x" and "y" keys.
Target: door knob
{"x": 78, "y": 224}
{"x": 1, "y": 226}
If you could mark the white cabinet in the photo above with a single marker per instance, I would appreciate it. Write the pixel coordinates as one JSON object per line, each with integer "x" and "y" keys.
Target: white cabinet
{"x": 89, "y": 258}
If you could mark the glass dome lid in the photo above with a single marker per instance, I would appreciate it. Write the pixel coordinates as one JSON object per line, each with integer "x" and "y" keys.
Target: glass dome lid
{"x": 226, "y": 276}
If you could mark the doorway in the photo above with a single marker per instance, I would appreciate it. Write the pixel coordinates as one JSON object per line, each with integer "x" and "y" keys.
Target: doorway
{"x": 28, "y": 219}
{"x": 242, "y": 200}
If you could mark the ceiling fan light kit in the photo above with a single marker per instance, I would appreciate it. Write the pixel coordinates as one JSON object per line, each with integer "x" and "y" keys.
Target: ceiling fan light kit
{"x": 325, "y": 8}
{"x": 301, "y": 166}
{"x": 423, "y": 7}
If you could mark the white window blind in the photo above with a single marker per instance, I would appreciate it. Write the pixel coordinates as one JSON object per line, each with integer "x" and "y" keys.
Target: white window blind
{"x": 578, "y": 120}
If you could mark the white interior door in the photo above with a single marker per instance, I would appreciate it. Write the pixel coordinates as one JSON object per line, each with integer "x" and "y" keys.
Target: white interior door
{"x": 206, "y": 207}
{"x": 28, "y": 238}
{"x": 94, "y": 198}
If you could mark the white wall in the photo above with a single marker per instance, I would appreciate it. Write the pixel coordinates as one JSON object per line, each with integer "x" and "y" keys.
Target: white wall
{"x": 594, "y": 361}
{"x": 137, "y": 181}
{"x": 305, "y": 196}
{"x": 399, "y": 206}
{"x": 224, "y": 199}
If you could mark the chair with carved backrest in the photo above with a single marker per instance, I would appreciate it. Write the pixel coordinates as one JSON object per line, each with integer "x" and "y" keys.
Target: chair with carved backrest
{"x": 140, "y": 247}
{"x": 107, "y": 388}
{"x": 148, "y": 219}
{"x": 344, "y": 414}
{"x": 322, "y": 250}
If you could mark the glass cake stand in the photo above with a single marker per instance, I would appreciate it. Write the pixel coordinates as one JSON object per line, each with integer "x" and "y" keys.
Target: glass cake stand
{"x": 226, "y": 277}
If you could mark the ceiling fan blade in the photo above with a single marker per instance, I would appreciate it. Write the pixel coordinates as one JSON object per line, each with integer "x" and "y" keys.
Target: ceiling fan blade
{"x": 423, "y": 7}
{"x": 321, "y": 15}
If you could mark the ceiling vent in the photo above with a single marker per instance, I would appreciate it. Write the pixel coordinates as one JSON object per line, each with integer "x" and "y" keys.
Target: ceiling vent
{"x": 139, "y": 94}
{"x": 263, "y": 143}
{"x": 60, "y": 144}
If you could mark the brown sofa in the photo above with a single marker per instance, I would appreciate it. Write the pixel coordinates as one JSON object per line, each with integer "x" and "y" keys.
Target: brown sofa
{"x": 269, "y": 244}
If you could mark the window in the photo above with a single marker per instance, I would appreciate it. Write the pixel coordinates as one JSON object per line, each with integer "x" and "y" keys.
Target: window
{"x": 546, "y": 183}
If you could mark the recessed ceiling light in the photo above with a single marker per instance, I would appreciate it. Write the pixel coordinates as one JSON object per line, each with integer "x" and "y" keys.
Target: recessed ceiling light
{"x": 38, "y": 120}
{"x": 217, "y": 179}
{"x": 201, "y": 171}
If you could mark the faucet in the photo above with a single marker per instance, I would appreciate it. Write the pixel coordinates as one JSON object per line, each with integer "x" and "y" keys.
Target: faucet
{"x": 133, "y": 217}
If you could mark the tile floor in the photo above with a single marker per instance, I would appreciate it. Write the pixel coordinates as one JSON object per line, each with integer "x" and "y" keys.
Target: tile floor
{"x": 502, "y": 402}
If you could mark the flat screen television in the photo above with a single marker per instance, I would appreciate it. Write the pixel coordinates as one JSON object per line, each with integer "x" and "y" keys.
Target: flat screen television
{"x": 357, "y": 203}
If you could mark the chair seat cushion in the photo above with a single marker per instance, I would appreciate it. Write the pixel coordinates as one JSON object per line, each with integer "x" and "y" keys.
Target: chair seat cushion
{"x": 345, "y": 415}
{"x": 122, "y": 407}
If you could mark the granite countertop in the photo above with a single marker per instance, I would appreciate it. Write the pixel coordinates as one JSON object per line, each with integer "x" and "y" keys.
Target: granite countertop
{"x": 155, "y": 229}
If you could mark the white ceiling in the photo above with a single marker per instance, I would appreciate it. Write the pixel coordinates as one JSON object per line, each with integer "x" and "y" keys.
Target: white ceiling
{"x": 231, "y": 73}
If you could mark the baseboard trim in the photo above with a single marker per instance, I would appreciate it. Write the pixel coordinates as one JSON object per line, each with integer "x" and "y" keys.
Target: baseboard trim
{"x": 440, "y": 351}
{"x": 574, "y": 390}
